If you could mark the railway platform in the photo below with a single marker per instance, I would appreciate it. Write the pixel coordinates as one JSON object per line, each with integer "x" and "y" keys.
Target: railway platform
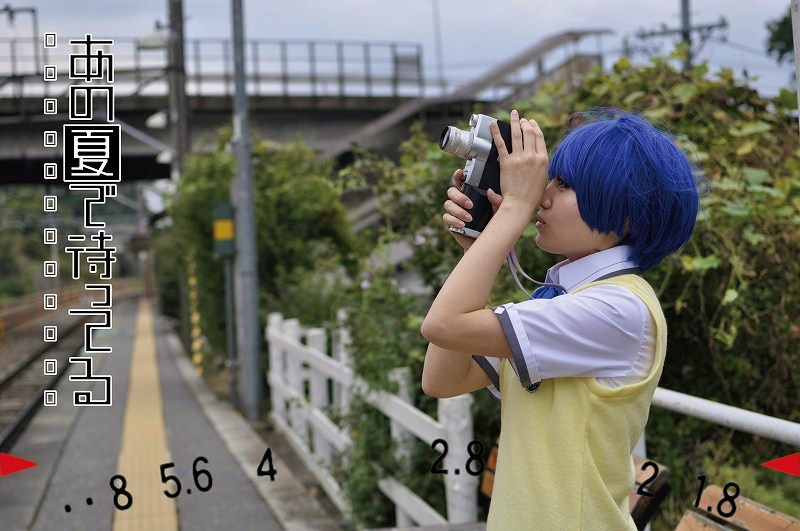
{"x": 165, "y": 455}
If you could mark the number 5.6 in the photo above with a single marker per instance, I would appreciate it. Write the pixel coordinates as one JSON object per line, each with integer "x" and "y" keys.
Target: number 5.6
{"x": 196, "y": 474}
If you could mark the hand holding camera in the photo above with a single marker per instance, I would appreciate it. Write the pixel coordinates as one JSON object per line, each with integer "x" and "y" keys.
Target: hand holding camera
{"x": 490, "y": 145}
{"x": 523, "y": 168}
{"x": 456, "y": 208}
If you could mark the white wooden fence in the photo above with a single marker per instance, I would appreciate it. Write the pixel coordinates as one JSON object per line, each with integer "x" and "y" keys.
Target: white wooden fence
{"x": 309, "y": 385}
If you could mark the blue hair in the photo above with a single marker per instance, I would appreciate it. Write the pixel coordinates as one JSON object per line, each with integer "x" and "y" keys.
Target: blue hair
{"x": 621, "y": 166}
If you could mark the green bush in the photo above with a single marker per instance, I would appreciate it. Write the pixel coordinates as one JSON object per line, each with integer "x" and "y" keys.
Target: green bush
{"x": 300, "y": 222}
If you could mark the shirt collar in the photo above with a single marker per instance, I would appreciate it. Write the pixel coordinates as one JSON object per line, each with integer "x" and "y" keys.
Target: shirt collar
{"x": 575, "y": 274}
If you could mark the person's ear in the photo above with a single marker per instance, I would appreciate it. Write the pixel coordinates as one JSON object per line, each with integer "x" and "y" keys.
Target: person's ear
{"x": 627, "y": 229}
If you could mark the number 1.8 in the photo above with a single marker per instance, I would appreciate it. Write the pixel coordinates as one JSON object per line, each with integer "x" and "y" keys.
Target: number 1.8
{"x": 726, "y": 498}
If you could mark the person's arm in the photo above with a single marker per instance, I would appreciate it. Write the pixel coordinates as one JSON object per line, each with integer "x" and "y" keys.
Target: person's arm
{"x": 458, "y": 320}
{"x": 447, "y": 373}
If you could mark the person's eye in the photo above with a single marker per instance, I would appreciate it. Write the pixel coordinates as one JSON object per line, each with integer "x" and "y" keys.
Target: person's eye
{"x": 560, "y": 183}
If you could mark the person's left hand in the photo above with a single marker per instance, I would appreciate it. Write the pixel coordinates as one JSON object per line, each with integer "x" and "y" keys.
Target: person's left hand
{"x": 523, "y": 172}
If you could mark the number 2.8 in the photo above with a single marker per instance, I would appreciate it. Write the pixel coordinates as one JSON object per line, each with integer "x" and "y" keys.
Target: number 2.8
{"x": 477, "y": 456}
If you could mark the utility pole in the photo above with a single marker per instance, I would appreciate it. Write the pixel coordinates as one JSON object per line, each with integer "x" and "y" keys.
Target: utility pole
{"x": 246, "y": 260}
{"x": 685, "y": 31}
{"x": 437, "y": 31}
{"x": 796, "y": 41}
{"x": 37, "y": 43}
{"x": 177, "y": 94}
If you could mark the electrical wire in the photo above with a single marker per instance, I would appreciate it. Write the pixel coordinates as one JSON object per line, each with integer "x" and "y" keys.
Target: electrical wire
{"x": 742, "y": 47}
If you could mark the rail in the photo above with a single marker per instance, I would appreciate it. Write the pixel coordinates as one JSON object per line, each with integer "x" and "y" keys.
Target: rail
{"x": 274, "y": 68}
{"x": 732, "y": 417}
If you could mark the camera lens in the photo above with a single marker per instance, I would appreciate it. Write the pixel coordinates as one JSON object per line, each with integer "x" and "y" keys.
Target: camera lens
{"x": 457, "y": 142}
{"x": 445, "y": 138}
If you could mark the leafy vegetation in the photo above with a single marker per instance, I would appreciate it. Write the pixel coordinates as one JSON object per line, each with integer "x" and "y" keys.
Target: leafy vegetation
{"x": 780, "y": 40}
{"x": 305, "y": 245}
{"x": 22, "y": 222}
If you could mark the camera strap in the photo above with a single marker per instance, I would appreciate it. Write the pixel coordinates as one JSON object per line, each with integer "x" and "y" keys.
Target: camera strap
{"x": 513, "y": 265}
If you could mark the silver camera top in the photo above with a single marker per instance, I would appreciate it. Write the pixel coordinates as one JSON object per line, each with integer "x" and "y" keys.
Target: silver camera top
{"x": 474, "y": 145}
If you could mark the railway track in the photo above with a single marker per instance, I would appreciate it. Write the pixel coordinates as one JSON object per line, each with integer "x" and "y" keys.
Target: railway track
{"x": 22, "y": 378}
{"x": 22, "y": 387}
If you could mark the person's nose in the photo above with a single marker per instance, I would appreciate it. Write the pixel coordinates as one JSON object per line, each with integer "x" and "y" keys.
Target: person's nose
{"x": 547, "y": 201}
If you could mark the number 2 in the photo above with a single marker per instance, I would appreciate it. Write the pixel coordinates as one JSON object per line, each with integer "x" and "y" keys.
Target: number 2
{"x": 435, "y": 470}
{"x": 641, "y": 490}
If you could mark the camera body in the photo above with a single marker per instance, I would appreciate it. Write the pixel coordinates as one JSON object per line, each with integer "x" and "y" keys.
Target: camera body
{"x": 482, "y": 170}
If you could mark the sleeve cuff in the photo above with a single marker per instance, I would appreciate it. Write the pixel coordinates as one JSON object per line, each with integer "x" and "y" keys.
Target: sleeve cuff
{"x": 490, "y": 368}
{"x": 523, "y": 362}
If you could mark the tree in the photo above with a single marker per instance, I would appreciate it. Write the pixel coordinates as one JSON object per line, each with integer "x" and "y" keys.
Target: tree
{"x": 780, "y": 42}
{"x": 301, "y": 224}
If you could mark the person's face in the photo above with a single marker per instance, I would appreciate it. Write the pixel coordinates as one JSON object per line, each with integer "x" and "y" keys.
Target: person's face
{"x": 560, "y": 228}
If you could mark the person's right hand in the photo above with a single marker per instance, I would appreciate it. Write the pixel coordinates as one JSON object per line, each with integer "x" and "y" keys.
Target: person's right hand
{"x": 455, "y": 209}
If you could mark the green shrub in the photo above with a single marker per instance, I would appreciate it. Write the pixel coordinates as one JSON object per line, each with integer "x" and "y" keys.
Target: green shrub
{"x": 300, "y": 224}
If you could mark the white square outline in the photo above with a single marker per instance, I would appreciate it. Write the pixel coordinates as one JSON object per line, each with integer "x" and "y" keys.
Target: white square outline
{"x": 52, "y": 102}
{"x": 50, "y": 236}
{"x": 50, "y": 269}
{"x": 53, "y": 364}
{"x": 50, "y": 170}
{"x": 54, "y": 136}
{"x": 53, "y": 305}
{"x": 51, "y": 393}
{"x": 51, "y": 203}
{"x": 53, "y": 337}
{"x": 54, "y": 43}
{"x": 50, "y": 73}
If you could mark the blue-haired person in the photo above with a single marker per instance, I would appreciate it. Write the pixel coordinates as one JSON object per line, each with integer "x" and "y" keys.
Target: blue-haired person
{"x": 576, "y": 366}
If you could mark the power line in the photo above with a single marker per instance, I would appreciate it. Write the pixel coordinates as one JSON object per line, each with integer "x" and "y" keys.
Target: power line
{"x": 685, "y": 31}
{"x": 742, "y": 47}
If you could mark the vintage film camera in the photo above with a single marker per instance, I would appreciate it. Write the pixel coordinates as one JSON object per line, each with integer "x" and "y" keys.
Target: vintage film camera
{"x": 482, "y": 170}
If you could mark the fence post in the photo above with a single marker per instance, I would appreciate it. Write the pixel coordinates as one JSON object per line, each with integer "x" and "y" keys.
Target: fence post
{"x": 291, "y": 328}
{"x": 461, "y": 490}
{"x": 345, "y": 395}
{"x": 403, "y": 440}
{"x": 336, "y": 352}
{"x": 317, "y": 340}
{"x": 341, "y": 393}
{"x": 277, "y": 369}
{"x": 340, "y": 67}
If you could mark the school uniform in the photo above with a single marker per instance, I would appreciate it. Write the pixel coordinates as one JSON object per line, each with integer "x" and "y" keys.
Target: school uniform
{"x": 575, "y": 397}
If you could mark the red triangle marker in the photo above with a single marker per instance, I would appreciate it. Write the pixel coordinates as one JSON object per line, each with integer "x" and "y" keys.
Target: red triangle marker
{"x": 788, "y": 464}
{"x": 10, "y": 464}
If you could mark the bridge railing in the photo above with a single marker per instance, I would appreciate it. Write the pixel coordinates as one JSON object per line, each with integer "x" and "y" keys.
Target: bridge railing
{"x": 274, "y": 67}
{"x": 312, "y": 385}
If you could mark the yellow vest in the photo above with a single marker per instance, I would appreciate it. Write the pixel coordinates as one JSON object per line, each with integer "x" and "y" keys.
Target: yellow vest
{"x": 565, "y": 451}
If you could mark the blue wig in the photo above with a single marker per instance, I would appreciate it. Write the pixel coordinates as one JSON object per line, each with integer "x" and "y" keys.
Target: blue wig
{"x": 620, "y": 166}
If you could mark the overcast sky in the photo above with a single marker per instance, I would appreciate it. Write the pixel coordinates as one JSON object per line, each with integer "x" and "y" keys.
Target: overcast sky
{"x": 475, "y": 35}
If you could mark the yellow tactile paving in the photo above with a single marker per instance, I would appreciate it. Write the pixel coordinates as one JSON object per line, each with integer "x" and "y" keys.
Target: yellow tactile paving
{"x": 144, "y": 442}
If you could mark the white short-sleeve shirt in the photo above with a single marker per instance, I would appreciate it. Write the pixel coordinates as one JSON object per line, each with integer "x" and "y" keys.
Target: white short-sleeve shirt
{"x": 604, "y": 331}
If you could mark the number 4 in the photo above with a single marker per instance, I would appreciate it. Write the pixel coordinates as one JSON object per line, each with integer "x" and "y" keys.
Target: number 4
{"x": 271, "y": 470}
